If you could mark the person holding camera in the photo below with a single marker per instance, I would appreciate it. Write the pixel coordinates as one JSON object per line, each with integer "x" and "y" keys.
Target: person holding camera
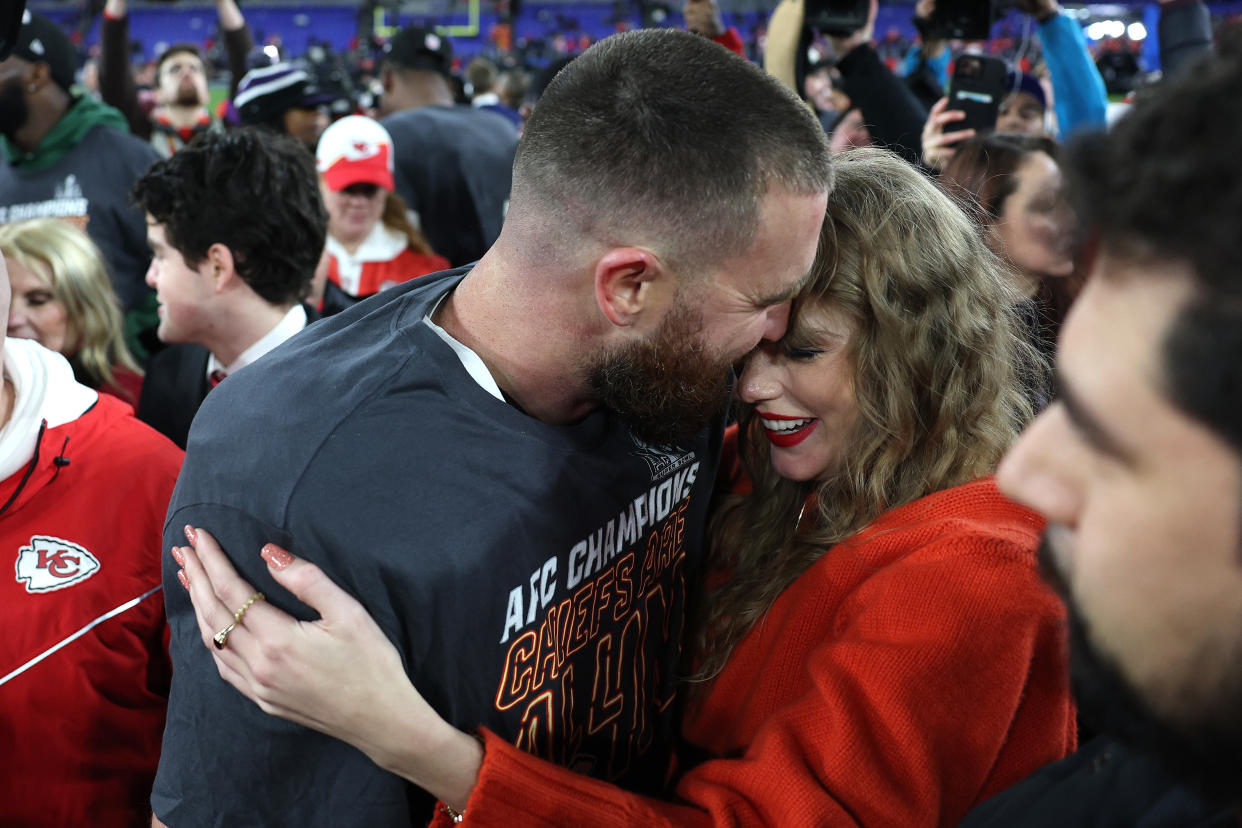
{"x": 881, "y": 102}
{"x": 1079, "y": 98}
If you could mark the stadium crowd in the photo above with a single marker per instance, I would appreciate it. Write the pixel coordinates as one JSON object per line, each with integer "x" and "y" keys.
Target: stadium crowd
{"x": 691, "y": 431}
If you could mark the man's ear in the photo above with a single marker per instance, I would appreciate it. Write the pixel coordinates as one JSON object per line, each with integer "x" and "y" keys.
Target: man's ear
{"x": 220, "y": 266}
{"x": 627, "y": 282}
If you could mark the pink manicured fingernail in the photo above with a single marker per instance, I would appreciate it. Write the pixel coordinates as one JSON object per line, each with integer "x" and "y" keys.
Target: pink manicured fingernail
{"x": 276, "y": 557}
{"x": 185, "y": 581}
{"x": 177, "y": 556}
{"x": 189, "y": 533}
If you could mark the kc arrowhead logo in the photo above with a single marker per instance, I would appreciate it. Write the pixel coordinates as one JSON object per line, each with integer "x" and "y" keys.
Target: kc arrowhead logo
{"x": 49, "y": 564}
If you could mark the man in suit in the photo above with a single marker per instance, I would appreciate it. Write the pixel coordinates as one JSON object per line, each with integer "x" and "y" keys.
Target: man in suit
{"x": 236, "y": 227}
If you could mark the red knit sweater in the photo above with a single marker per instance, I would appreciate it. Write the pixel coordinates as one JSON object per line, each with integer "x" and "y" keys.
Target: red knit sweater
{"x": 910, "y": 673}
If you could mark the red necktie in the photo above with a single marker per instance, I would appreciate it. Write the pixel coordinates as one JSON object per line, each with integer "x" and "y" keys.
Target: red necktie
{"x": 216, "y": 378}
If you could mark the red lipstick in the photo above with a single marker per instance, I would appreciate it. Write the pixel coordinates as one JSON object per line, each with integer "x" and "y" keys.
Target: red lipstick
{"x": 790, "y": 437}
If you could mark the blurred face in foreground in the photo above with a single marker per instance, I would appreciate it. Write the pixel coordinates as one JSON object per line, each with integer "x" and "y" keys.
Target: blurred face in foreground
{"x": 1144, "y": 505}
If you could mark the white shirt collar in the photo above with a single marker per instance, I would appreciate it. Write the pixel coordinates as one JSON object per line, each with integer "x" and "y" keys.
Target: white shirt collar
{"x": 290, "y": 324}
{"x": 471, "y": 361}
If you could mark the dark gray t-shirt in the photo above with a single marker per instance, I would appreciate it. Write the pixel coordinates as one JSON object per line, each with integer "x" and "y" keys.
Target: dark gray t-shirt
{"x": 533, "y": 577}
{"x": 92, "y": 181}
{"x": 454, "y": 166}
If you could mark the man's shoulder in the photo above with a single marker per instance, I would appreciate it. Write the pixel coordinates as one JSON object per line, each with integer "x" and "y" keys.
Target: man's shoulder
{"x": 435, "y": 119}
{"x": 132, "y": 149}
{"x": 327, "y": 371}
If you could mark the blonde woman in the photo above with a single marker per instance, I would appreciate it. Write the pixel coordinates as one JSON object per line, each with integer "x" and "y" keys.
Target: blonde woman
{"x": 63, "y": 300}
{"x": 877, "y": 648}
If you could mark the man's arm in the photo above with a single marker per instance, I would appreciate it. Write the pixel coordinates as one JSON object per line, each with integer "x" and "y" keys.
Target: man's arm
{"x": 237, "y": 41}
{"x": 1080, "y": 97}
{"x": 116, "y": 80}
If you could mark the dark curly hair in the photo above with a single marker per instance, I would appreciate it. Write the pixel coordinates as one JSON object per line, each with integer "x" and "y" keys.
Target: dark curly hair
{"x": 252, "y": 191}
{"x": 1166, "y": 184}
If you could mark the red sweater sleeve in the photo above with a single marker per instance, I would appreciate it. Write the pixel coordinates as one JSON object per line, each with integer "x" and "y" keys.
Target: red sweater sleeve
{"x": 939, "y": 681}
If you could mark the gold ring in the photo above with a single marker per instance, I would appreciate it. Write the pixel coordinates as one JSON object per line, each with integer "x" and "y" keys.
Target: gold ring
{"x": 222, "y": 638}
{"x": 237, "y": 616}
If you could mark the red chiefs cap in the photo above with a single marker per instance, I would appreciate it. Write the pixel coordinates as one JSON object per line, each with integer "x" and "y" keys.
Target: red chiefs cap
{"x": 355, "y": 150}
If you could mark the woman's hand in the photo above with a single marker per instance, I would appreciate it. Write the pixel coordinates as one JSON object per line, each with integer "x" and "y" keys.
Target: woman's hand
{"x": 339, "y": 675}
{"x": 938, "y": 145}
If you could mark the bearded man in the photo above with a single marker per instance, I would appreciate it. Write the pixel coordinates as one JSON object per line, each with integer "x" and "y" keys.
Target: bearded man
{"x": 68, "y": 156}
{"x": 482, "y": 456}
{"x": 181, "y": 96}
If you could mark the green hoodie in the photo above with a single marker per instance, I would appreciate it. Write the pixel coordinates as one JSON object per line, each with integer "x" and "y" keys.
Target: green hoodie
{"x": 84, "y": 113}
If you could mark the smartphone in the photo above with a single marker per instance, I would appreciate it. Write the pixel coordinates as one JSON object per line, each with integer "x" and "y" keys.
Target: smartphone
{"x": 838, "y": 18}
{"x": 964, "y": 19}
{"x": 977, "y": 88}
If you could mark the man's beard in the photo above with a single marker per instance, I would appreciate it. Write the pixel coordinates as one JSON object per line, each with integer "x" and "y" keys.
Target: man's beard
{"x": 14, "y": 112}
{"x": 668, "y": 387}
{"x": 187, "y": 95}
{"x": 1204, "y": 752}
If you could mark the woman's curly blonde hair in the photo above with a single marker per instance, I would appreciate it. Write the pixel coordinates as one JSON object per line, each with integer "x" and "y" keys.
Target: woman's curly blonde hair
{"x": 939, "y": 366}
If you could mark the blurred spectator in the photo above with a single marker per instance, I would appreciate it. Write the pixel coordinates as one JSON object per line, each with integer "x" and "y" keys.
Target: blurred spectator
{"x": 180, "y": 110}
{"x": 1080, "y": 99}
{"x": 481, "y": 75}
{"x": 1185, "y": 33}
{"x": 1013, "y": 186}
{"x": 62, "y": 299}
{"x": 84, "y": 671}
{"x": 284, "y": 99}
{"x": 1138, "y": 468}
{"x": 926, "y": 66}
{"x": 887, "y": 110}
{"x": 69, "y": 156}
{"x": 371, "y": 243}
{"x": 485, "y": 84}
{"x": 231, "y": 262}
{"x": 1024, "y": 110}
{"x": 453, "y": 164}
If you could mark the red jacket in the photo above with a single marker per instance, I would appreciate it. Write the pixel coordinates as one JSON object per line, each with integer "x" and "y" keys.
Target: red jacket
{"x": 379, "y": 275}
{"x": 84, "y": 669}
{"x": 910, "y": 673}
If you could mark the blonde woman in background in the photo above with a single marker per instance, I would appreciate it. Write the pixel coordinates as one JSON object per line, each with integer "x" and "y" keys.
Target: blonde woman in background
{"x": 63, "y": 300}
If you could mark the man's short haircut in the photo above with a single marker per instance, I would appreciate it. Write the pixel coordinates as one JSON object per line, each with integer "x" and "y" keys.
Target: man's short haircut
{"x": 253, "y": 191}
{"x": 174, "y": 50}
{"x": 482, "y": 74}
{"x": 671, "y": 139}
{"x": 1166, "y": 184}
